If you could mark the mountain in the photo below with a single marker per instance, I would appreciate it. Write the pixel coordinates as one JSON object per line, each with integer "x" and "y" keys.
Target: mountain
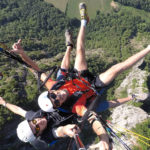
{"x": 114, "y": 33}
{"x": 70, "y": 7}
{"x": 139, "y": 4}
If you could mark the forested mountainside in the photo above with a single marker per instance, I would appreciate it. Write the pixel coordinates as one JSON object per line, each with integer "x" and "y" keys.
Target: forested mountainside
{"x": 41, "y": 27}
{"x": 139, "y": 4}
{"x": 35, "y": 22}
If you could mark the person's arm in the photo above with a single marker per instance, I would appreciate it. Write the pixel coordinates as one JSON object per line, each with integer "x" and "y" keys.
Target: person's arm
{"x": 67, "y": 130}
{"x": 99, "y": 130}
{"x": 15, "y": 109}
{"x": 96, "y": 125}
{"x": 80, "y": 109}
{"x": 17, "y": 48}
{"x": 118, "y": 102}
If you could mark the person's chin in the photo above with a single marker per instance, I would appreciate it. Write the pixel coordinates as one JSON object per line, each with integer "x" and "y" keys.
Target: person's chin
{"x": 66, "y": 92}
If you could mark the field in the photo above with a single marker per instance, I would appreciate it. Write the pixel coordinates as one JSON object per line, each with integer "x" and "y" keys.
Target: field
{"x": 61, "y": 4}
{"x": 136, "y": 12}
{"x": 70, "y": 7}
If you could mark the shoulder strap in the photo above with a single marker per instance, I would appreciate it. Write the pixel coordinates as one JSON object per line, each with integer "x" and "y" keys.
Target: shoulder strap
{"x": 53, "y": 69}
{"x": 91, "y": 107}
{"x": 68, "y": 105}
{"x": 58, "y": 85}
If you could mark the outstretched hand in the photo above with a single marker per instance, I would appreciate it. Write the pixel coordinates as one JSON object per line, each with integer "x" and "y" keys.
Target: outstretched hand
{"x": 70, "y": 130}
{"x": 148, "y": 47}
{"x": 17, "y": 47}
{"x": 2, "y": 101}
{"x": 102, "y": 145}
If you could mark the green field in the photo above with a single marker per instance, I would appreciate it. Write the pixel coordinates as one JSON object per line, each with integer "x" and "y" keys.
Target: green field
{"x": 70, "y": 7}
{"x": 136, "y": 12}
{"x": 61, "y": 4}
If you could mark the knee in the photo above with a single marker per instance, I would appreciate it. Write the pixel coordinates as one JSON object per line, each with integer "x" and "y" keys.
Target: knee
{"x": 118, "y": 68}
{"x": 80, "y": 46}
{"x": 80, "y": 51}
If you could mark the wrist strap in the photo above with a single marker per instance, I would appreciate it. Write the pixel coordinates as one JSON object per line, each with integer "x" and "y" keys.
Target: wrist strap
{"x": 5, "y": 104}
{"x": 95, "y": 119}
{"x": 55, "y": 133}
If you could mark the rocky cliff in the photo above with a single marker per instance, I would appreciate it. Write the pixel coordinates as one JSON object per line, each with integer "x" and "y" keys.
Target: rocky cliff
{"x": 126, "y": 116}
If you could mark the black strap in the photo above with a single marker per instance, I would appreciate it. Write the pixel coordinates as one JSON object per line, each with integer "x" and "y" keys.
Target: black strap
{"x": 14, "y": 56}
{"x": 38, "y": 81}
{"x": 91, "y": 107}
{"x": 112, "y": 133}
{"x": 70, "y": 143}
{"x": 50, "y": 74}
{"x": 70, "y": 44}
{"x": 79, "y": 143}
{"x": 95, "y": 119}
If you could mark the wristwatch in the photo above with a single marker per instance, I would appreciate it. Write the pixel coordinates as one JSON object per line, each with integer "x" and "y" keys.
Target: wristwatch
{"x": 133, "y": 97}
{"x": 5, "y": 104}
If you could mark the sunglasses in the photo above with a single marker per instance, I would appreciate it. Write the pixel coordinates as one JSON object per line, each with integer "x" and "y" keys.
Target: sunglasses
{"x": 53, "y": 96}
{"x": 37, "y": 127}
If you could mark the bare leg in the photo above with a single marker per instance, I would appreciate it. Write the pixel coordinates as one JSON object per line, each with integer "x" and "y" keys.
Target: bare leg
{"x": 66, "y": 59}
{"x": 112, "y": 73}
{"x": 80, "y": 61}
{"x": 118, "y": 102}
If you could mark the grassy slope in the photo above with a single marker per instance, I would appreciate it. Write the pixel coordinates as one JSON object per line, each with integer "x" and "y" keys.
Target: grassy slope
{"x": 142, "y": 38}
{"x": 93, "y": 6}
{"x": 73, "y": 10}
{"x": 72, "y": 7}
{"x": 136, "y": 12}
{"x": 61, "y": 4}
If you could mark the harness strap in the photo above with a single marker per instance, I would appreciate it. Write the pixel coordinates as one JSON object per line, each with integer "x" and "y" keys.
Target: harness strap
{"x": 63, "y": 110}
{"x": 38, "y": 80}
{"x": 52, "y": 143}
{"x": 85, "y": 91}
{"x": 50, "y": 74}
{"x": 90, "y": 87}
{"x": 114, "y": 134}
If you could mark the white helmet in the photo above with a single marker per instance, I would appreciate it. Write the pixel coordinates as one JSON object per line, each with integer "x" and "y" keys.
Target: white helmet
{"x": 45, "y": 103}
{"x": 24, "y": 132}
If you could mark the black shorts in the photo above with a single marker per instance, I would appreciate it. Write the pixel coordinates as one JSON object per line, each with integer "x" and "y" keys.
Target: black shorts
{"x": 87, "y": 75}
{"x": 94, "y": 80}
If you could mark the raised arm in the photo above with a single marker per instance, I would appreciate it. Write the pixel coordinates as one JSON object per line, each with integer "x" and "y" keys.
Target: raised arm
{"x": 17, "y": 48}
{"x": 13, "y": 108}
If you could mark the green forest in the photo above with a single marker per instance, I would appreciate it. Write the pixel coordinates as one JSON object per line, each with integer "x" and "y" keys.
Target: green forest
{"x": 41, "y": 27}
{"x": 139, "y": 4}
